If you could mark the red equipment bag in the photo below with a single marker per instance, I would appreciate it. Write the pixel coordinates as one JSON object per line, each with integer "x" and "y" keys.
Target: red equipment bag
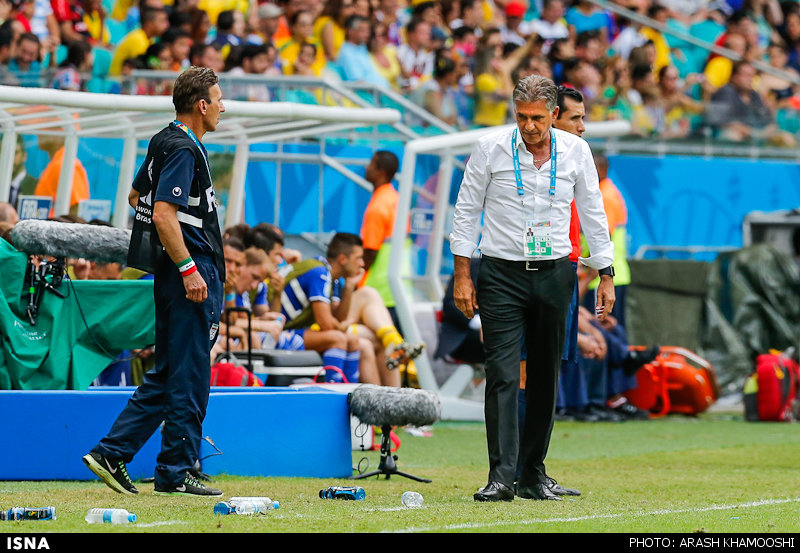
{"x": 677, "y": 381}
{"x": 772, "y": 392}
{"x": 225, "y": 373}
{"x": 228, "y": 374}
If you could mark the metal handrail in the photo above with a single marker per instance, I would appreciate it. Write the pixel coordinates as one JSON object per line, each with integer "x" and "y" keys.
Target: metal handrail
{"x": 344, "y": 91}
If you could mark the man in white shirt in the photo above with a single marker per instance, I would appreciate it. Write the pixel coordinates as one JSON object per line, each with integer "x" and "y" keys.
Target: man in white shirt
{"x": 522, "y": 180}
{"x": 550, "y": 26}
{"x": 416, "y": 59}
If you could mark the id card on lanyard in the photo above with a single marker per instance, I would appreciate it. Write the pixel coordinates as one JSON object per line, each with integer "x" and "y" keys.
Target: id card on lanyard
{"x": 537, "y": 239}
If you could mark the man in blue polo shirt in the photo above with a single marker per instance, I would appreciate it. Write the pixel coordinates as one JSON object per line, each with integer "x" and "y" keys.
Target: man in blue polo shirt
{"x": 176, "y": 237}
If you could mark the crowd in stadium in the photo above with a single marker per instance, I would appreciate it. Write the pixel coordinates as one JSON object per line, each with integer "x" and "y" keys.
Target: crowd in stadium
{"x": 458, "y": 59}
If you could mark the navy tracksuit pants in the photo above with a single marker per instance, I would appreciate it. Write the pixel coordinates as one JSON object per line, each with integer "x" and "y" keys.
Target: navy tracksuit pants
{"x": 176, "y": 390}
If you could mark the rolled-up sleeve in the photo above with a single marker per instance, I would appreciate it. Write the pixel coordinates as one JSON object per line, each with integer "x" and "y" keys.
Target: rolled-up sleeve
{"x": 589, "y": 202}
{"x": 469, "y": 204}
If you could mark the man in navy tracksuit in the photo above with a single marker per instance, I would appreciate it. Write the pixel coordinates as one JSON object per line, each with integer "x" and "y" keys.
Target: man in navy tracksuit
{"x": 176, "y": 237}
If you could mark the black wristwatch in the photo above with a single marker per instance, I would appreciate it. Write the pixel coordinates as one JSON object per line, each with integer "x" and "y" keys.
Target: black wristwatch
{"x": 607, "y": 271}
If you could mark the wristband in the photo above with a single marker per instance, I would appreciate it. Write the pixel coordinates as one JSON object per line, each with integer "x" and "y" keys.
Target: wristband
{"x": 187, "y": 266}
{"x": 230, "y": 297}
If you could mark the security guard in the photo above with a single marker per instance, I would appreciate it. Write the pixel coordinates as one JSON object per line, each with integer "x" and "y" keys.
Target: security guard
{"x": 176, "y": 236}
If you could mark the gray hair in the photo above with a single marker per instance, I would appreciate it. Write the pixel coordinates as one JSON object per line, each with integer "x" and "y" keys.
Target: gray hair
{"x": 534, "y": 88}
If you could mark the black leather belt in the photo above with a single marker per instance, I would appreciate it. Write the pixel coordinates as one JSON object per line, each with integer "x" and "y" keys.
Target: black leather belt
{"x": 529, "y": 264}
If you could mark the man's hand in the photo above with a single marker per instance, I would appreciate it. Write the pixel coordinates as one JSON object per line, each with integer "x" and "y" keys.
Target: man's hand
{"x": 589, "y": 347}
{"x": 230, "y": 282}
{"x": 463, "y": 290}
{"x": 464, "y": 296}
{"x": 81, "y": 268}
{"x": 609, "y": 322}
{"x": 605, "y": 297}
{"x": 291, "y": 256}
{"x": 351, "y": 283}
{"x": 276, "y": 282}
{"x": 196, "y": 289}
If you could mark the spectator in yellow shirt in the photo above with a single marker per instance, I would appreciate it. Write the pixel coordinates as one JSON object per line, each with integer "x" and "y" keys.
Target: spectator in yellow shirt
{"x": 302, "y": 26}
{"x": 154, "y": 23}
{"x": 329, "y": 27}
{"x": 215, "y": 7}
{"x": 719, "y": 68}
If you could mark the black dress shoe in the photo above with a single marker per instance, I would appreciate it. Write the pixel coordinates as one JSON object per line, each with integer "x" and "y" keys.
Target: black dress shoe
{"x": 494, "y": 491}
{"x": 539, "y": 491}
{"x": 558, "y": 489}
{"x": 563, "y": 415}
{"x": 583, "y": 415}
{"x": 605, "y": 414}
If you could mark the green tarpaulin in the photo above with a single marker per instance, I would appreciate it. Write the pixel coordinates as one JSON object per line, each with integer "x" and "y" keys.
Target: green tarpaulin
{"x": 74, "y": 338}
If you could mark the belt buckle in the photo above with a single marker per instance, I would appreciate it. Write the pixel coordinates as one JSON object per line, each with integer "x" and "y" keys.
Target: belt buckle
{"x": 528, "y": 266}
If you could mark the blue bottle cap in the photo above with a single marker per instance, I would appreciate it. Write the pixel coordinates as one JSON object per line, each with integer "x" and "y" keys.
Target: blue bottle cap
{"x": 223, "y": 508}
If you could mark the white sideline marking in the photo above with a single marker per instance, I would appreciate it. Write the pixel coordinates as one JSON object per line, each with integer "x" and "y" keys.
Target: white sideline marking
{"x": 592, "y": 517}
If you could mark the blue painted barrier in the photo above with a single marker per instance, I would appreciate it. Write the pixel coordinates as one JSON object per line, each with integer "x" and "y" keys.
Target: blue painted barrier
{"x": 301, "y": 432}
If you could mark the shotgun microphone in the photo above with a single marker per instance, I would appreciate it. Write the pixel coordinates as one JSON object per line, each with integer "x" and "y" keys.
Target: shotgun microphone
{"x": 75, "y": 240}
{"x": 386, "y": 405}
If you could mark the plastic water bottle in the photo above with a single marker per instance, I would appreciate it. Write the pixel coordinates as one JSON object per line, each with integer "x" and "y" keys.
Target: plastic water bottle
{"x": 343, "y": 492}
{"x": 111, "y": 516}
{"x": 411, "y": 499}
{"x": 28, "y": 513}
{"x": 268, "y": 342}
{"x": 266, "y": 503}
{"x": 246, "y": 506}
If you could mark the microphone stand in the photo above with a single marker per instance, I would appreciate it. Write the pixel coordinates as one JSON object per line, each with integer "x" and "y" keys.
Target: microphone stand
{"x": 387, "y": 465}
{"x": 38, "y": 283}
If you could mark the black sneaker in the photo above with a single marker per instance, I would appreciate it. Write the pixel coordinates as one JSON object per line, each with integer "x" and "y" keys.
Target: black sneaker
{"x": 113, "y": 472}
{"x": 189, "y": 486}
{"x": 631, "y": 412}
{"x": 402, "y": 354}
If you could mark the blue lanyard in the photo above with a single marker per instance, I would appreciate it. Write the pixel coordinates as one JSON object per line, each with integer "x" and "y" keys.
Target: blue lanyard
{"x": 518, "y": 172}
{"x": 191, "y": 135}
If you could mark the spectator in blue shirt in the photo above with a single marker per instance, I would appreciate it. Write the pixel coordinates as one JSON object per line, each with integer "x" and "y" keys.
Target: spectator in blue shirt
{"x": 26, "y": 65}
{"x": 354, "y": 61}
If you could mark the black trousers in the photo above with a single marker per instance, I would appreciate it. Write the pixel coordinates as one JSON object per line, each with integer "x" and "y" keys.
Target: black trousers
{"x": 516, "y": 304}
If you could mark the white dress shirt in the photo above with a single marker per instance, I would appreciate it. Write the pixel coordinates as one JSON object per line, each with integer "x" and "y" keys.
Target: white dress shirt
{"x": 489, "y": 188}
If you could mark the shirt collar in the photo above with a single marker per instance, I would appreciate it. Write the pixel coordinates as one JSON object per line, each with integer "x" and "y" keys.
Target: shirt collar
{"x": 520, "y": 141}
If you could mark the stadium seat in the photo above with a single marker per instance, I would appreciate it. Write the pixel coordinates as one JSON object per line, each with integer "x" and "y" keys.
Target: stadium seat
{"x": 117, "y": 30}
{"x": 100, "y": 81}
{"x": 61, "y": 55}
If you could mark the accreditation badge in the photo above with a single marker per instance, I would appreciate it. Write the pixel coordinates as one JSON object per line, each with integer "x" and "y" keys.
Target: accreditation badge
{"x": 537, "y": 239}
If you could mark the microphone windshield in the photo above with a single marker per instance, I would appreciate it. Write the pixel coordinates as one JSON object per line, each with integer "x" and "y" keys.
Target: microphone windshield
{"x": 386, "y": 405}
{"x": 93, "y": 242}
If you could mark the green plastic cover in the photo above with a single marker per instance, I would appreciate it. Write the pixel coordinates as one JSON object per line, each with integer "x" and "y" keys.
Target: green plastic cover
{"x": 74, "y": 338}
